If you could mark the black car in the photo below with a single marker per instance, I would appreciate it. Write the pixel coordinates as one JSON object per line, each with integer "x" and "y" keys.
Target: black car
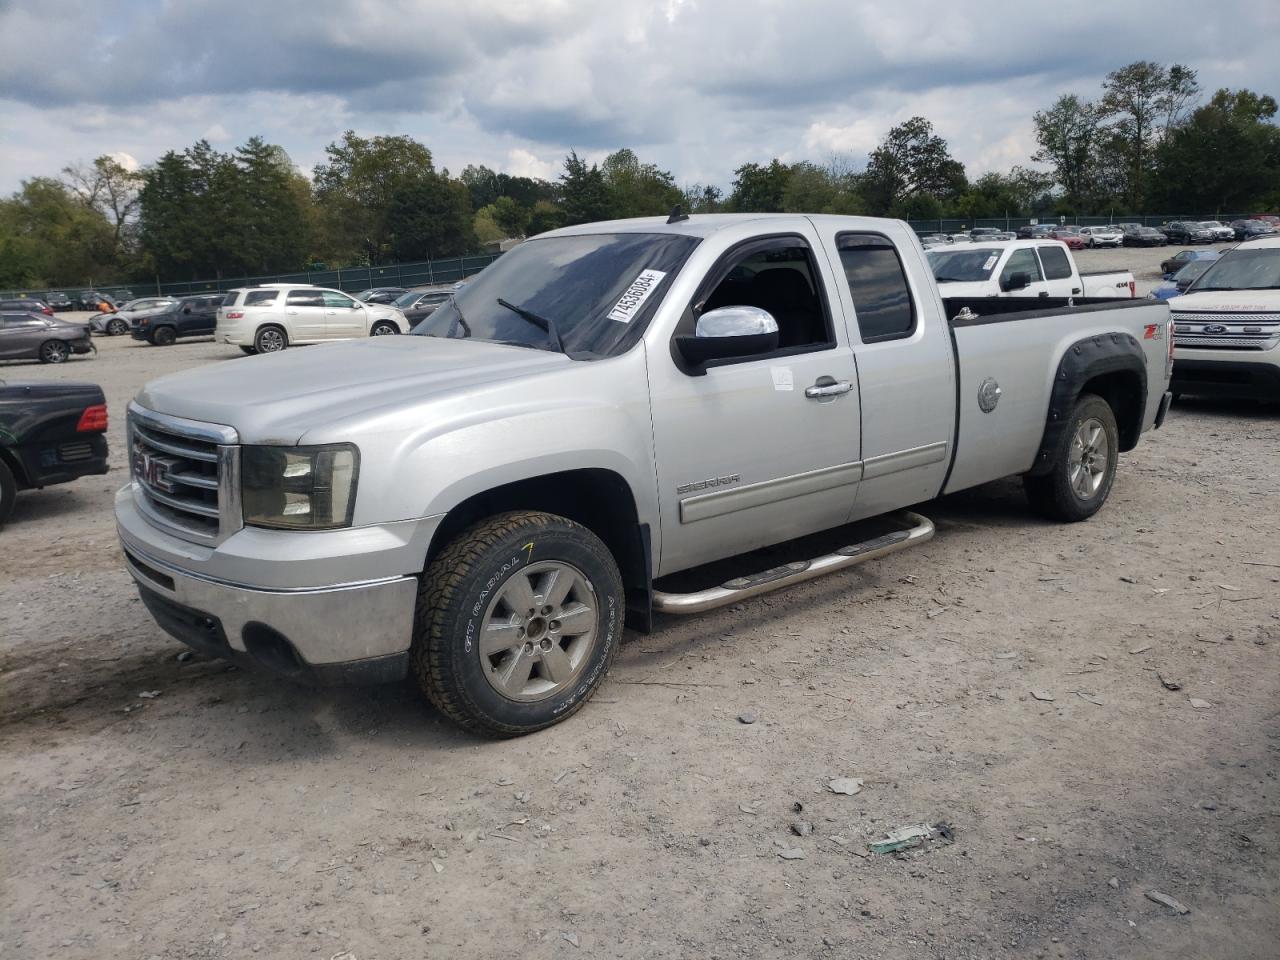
{"x": 188, "y": 317}
{"x": 1186, "y": 231}
{"x": 89, "y": 300}
{"x": 58, "y": 301}
{"x": 381, "y": 294}
{"x": 416, "y": 305}
{"x": 50, "y": 432}
{"x": 1136, "y": 236}
{"x": 1248, "y": 229}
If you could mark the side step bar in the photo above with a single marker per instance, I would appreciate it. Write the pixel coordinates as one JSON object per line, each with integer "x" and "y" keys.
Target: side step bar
{"x": 740, "y": 588}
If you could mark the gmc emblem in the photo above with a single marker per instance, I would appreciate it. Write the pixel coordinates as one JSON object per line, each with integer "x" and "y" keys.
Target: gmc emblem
{"x": 153, "y": 471}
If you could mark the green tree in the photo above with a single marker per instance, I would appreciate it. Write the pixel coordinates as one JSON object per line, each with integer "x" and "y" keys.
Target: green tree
{"x": 821, "y": 189}
{"x": 912, "y": 161}
{"x": 430, "y": 217}
{"x": 701, "y": 198}
{"x": 108, "y": 187}
{"x": 545, "y": 216}
{"x": 1069, "y": 138}
{"x": 1225, "y": 158}
{"x": 188, "y": 222}
{"x": 49, "y": 236}
{"x": 637, "y": 189}
{"x": 510, "y": 216}
{"x": 270, "y": 209}
{"x": 355, "y": 188}
{"x": 1143, "y": 100}
{"x": 583, "y": 191}
{"x": 759, "y": 189}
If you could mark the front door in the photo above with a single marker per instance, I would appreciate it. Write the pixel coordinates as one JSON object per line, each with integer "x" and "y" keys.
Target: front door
{"x": 343, "y": 316}
{"x": 759, "y": 449}
{"x": 1023, "y": 260}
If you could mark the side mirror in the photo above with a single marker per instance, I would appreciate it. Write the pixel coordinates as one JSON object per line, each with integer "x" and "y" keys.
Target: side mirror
{"x": 1017, "y": 281}
{"x": 729, "y": 332}
{"x": 186, "y": 309}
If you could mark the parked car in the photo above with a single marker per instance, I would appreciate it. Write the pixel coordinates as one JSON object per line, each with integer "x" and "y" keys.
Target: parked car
{"x": 984, "y": 233}
{"x": 1110, "y": 236}
{"x": 1179, "y": 282}
{"x": 1139, "y": 236}
{"x": 26, "y": 305}
{"x": 50, "y": 432}
{"x": 1023, "y": 268}
{"x": 483, "y": 503}
{"x": 1249, "y": 229}
{"x": 1270, "y": 218}
{"x": 383, "y": 295}
{"x": 959, "y": 238}
{"x": 1069, "y": 236}
{"x": 1039, "y": 230}
{"x": 92, "y": 300}
{"x": 1172, "y": 265}
{"x": 1002, "y": 236}
{"x": 1183, "y": 231}
{"x": 935, "y": 240}
{"x": 120, "y": 323}
{"x": 1227, "y": 326}
{"x": 272, "y": 317}
{"x": 34, "y": 336}
{"x": 185, "y": 317}
{"x": 1219, "y": 230}
{"x": 58, "y": 301}
{"x": 417, "y": 305}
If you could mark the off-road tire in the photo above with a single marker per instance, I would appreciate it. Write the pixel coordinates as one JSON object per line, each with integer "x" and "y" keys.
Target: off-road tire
{"x": 54, "y": 351}
{"x": 1051, "y": 494}
{"x": 8, "y": 492}
{"x": 117, "y": 327}
{"x": 164, "y": 336}
{"x": 452, "y": 603}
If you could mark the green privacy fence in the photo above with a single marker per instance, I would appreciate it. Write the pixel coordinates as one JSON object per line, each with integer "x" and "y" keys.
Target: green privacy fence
{"x": 350, "y": 279}
{"x": 955, "y": 225}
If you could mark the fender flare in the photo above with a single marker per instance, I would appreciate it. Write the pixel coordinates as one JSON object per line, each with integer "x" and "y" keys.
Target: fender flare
{"x": 1081, "y": 362}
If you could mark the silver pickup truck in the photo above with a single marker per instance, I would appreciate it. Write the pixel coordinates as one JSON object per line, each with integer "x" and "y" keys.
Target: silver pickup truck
{"x": 486, "y": 503}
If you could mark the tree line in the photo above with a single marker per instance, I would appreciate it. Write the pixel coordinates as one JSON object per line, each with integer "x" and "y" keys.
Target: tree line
{"x": 1147, "y": 142}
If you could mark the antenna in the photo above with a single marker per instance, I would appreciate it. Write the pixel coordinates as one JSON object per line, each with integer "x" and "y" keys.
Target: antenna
{"x": 677, "y": 215}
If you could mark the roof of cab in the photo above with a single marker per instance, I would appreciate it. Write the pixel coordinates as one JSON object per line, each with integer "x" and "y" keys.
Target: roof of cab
{"x": 705, "y": 224}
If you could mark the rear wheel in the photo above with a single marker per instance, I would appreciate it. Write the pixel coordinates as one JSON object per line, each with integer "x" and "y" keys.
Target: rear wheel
{"x": 117, "y": 326}
{"x": 1084, "y": 464}
{"x": 517, "y": 622}
{"x": 384, "y": 328}
{"x": 164, "y": 336}
{"x": 8, "y": 491}
{"x": 270, "y": 340}
{"x": 54, "y": 351}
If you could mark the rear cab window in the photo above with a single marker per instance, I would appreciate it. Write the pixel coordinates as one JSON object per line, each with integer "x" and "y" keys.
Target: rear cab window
{"x": 878, "y": 285}
{"x": 1057, "y": 266}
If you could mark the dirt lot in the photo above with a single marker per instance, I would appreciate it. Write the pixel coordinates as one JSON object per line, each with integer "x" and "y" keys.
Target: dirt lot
{"x": 1004, "y": 679}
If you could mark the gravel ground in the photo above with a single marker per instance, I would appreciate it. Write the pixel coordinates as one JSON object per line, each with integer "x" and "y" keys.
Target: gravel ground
{"x": 1011, "y": 679}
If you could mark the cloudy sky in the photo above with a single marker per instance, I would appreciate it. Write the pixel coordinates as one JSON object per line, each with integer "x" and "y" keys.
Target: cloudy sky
{"x": 699, "y": 86}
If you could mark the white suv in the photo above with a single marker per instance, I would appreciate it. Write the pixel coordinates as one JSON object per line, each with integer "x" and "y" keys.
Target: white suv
{"x": 270, "y": 317}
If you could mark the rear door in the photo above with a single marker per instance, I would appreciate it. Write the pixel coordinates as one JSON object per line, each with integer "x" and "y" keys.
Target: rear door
{"x": 1060, "y": 278}
{"x": 344, "y": 316}
{"x": 20, "y": 335}
{"x": 304, "y": 317}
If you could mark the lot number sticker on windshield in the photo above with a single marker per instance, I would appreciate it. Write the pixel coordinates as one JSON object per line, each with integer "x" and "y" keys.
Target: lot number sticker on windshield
{"x": 991, "y": 262}
{"x": 629, "y": 303}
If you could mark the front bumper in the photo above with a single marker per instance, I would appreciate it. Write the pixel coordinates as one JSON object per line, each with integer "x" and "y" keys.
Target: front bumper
{"x": 1244, "y": 374}
{"x": 254, "y": 598}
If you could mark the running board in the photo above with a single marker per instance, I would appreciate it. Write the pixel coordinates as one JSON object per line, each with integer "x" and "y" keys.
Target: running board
{"x": 740, "y": 588}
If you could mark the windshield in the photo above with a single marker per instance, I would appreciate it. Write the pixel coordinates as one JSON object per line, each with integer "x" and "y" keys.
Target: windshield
{"x": 407, "y": 299}
{"x": 1243, "y": 270}
{"x": 959, "y": 266}
{"x": 1192, "y": 270}
{"x": 599, "y": 291}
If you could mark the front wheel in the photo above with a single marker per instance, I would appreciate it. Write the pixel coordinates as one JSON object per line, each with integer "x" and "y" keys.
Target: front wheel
{"x": 384, "y": 328}
{"x": 1084, "y": 464}
{"x": 117, "y": 327}
{"x": 164, "y": 336}
{"x": 54, "y": 351}
{"x": 517, "y": 622}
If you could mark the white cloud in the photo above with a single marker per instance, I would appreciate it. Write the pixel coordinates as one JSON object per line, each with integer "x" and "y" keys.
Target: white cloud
{"x": 522, "y": 163}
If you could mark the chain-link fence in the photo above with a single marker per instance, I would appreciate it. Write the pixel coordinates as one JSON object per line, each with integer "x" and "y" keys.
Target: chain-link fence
{"x": 957, "y": 225}
{"x": 350, "y": 279}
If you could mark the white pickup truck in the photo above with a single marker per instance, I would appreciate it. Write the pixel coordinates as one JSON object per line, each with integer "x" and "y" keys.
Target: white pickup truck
{"x": 602, "y": 408}
{"x": 1227, "y": 326}
{"x": 1023, "y": 268}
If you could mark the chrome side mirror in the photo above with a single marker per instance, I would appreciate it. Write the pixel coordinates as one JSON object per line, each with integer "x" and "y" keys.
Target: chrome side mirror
{"x": 726, "y": 332}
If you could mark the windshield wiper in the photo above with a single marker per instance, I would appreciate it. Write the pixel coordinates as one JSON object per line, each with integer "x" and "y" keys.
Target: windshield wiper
{"x": 542, "y": 323}
{"x": 951, "y": 280}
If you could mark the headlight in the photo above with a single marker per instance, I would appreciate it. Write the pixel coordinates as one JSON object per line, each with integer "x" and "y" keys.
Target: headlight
{"x": 299, "y": 488}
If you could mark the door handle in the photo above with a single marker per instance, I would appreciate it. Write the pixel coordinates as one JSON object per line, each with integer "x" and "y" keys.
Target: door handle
{"x": 1044, "y": 293}
{"x": 826, "y": 387}
{"x": 1075, "y": 289}
{"x": 292, "y": 313}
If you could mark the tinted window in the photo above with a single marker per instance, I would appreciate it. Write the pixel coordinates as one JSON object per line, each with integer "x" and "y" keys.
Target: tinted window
{"x": 1021, "y": 261}
{"x": 21, "y": 320}
{"x": 305, "y": 298}
{"x": 230, "y": 299}
{"x": 257, "y": 297}
{"x": 332, "y": 299}
{"x": 878, "y": 285}
{"x": 953, "y": 266}
{"x": 575, "y": 281}
{"x": 1056, "y": 264}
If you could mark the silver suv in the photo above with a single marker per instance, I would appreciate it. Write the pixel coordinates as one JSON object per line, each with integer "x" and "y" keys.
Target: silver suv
{"x": 270, "y": 317}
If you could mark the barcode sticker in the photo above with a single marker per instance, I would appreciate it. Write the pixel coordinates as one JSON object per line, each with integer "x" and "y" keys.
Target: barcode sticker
{"x": 633, "y": 299}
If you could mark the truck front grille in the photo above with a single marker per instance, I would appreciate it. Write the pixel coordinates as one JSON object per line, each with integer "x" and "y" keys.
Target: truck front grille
{"x": 1226, "y": 331}
{"x": 186, "y": 474}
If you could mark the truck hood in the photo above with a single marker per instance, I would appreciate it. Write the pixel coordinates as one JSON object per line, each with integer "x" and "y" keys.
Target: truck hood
{"x": 279, "y": 397}
{"x": 1228, "y": 301}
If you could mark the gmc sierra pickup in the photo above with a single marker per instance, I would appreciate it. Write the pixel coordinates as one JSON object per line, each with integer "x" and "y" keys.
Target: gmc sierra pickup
{"x": 483, "y": 504}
